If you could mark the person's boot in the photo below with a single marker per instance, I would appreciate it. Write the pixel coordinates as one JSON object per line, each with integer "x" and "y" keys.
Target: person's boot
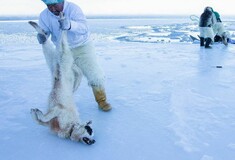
{"x": 100, "y": 98}
{"x": 202, "y": 41}
{"x": 208, "y": 42}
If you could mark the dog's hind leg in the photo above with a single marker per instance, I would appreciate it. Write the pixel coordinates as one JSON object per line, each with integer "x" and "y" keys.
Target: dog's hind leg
{"x": 49, "y": 50}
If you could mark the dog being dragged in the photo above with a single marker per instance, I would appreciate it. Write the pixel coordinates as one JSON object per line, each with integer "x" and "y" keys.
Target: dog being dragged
{"x": 62, "y": 116}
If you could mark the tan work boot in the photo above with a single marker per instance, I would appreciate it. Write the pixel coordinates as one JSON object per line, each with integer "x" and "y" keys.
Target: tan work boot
{"x": 100, "y": 98}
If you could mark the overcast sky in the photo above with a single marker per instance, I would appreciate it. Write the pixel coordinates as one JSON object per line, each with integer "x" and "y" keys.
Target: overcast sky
{"x": 123, "y": 7}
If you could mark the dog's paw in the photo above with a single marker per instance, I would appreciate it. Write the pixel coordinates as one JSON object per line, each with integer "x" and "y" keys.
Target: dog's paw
{"x": 88, "y": 141}
{"x": 36, "y": 113}
{"x": 32, "y": 110}
{"x": 33, "y": 114}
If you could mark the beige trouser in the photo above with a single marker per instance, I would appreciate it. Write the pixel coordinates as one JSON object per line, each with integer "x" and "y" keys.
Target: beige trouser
{"x": 85, "y": 58}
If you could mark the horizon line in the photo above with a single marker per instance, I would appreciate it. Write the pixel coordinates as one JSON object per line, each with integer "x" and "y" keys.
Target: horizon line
{"x": 102, "y": 16}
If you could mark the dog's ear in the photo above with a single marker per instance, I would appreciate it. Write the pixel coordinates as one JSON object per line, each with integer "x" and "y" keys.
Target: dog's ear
{"x": 88, "y": 129}
{"x": 89, "y": 123}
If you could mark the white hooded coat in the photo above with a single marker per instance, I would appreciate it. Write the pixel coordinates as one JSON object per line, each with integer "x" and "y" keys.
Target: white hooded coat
{"x": 78, "y": 40}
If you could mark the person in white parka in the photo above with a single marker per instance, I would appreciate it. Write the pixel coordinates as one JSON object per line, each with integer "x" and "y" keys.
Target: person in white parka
{"x": 79, "y": 41}
{"x": 205, "y": 27}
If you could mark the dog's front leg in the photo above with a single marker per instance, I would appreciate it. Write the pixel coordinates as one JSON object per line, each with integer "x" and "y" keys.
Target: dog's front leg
{"x": 44, "y": 118}
{"x": 34, "y": 113}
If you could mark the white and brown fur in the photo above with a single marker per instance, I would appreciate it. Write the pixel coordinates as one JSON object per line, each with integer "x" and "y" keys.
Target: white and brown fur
{"x": 62, "y": 116}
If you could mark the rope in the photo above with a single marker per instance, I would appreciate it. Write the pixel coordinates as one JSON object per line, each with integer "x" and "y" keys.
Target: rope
{"x": 194, "y": 18}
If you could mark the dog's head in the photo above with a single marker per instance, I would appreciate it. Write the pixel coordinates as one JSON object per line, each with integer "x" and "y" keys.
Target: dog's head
{"x": 83, "y": 133}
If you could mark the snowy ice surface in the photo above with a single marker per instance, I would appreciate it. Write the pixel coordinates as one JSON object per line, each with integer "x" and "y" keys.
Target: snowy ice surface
{"x": 171, "y": 99}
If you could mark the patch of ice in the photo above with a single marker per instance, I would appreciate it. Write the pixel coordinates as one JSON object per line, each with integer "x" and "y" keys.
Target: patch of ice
{"x": 231, "y": 146}
{"x": 139, "y": 27}
{"x": 206, "y": 157}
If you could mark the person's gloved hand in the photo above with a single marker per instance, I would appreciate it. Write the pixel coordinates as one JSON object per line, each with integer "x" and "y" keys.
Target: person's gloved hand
{"x": 65, "y": 24}
{"x": 41, "y": 38}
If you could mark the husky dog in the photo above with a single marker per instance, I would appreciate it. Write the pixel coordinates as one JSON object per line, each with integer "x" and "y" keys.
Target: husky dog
{"x": 62, "y": 116}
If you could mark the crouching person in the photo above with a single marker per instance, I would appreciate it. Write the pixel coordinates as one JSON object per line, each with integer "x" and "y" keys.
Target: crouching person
{"x": 205, "y": 27}
{"x": 79, "y": 41}
{"x": 221, "y": 35}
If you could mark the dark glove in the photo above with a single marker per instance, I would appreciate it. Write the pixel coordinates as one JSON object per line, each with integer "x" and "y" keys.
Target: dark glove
{"x": 41, "y": 38}
{"x": 65, "y": 24}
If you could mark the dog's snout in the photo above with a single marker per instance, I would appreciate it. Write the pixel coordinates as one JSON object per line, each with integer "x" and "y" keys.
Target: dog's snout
{"x": 88, "y": 141}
